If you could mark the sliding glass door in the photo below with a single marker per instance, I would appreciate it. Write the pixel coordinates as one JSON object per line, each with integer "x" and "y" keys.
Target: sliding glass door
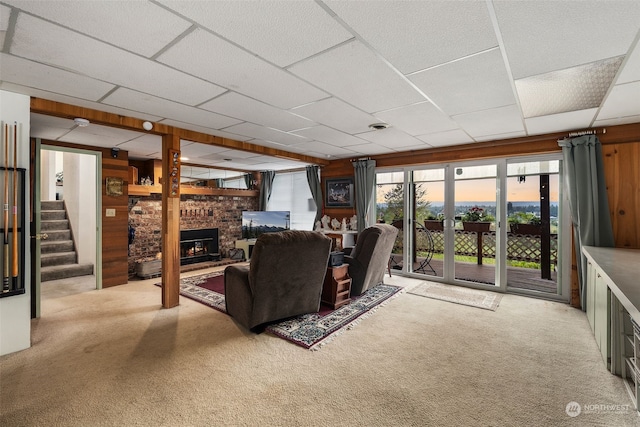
{"x": 474, "y": 247}
{"x": 457, "y": 223}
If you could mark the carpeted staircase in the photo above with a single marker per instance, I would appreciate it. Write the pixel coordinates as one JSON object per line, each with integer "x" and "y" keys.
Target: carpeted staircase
{"x": 58, "y": 255}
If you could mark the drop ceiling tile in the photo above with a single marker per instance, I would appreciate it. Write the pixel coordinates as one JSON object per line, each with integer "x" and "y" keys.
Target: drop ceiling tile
{"x": 576, "y": 88}
{"x": 443, "y": 139}
{"x": 617, "y": 121}
{"x": 631, "y": 71}
{"x": 622, "y": 101}
{"x": 606, "y": 29}
{"x": 475, "y": 83}
{"x": 258, "y": 79}
{"x": 87, "y": 136}
{"x": 330, "y": 136}
{"x": 370, "y": 149}
{"x": 261, "y": 132}
{"x": 28, "y": 73}
{"x": 194, "y": 150}
{"x": 76, "y": 101}
{"x": 204, "y": 129}
{"x": 319, "y": 149}
{"x": 560, "y": 122}
{"x": 145, "y": 144}
{"x": 296, "y": 29}
{"x": 418, "y": 119}
{"x": 356, "y": 75}
{"x": 140, "y": 27}
{"x": 390, "y": 138}
{"x": 127, "y": 98}
{"x": 506, "y": 135}
{"x": 44, "y": 42}
{"x": 337, "y": 114}
{"x": 491, "y": 122}
{"x": 47, "y": 132}
{"x": 414, "y": 35}
{"x": 241, "y": 107}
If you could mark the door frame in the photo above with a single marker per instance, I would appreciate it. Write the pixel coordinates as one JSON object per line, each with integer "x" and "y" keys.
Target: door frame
{"x": 36, "y": 286}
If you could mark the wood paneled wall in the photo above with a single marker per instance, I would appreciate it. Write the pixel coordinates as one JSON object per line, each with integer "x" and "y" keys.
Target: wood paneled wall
{"x": 114, "y": 229}
{"x": 622, "y": 175}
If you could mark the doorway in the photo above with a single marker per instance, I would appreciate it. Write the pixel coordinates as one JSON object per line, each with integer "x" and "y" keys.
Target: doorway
{"x": 67, "y": 223}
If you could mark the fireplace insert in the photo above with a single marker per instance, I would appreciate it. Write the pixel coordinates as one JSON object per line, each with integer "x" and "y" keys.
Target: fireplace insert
{"x": 199, "y": 246}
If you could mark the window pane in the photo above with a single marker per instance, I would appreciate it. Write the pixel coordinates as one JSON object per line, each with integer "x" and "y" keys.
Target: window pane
{"x": 291, "y": 193}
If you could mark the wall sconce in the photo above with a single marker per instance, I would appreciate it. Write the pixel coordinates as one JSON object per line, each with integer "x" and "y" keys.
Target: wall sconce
{"x": 114, "y": 152}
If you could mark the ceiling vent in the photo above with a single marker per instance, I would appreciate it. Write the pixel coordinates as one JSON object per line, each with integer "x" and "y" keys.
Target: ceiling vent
{"x": 379, "y": 126}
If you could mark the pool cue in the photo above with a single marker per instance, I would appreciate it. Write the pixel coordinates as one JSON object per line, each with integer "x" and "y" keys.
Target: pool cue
{"x": 14, "y": 240}
{"x": 5, "y": 270}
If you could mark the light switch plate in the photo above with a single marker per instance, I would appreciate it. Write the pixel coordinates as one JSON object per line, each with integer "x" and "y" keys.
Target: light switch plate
{"x": 110, "y": 212}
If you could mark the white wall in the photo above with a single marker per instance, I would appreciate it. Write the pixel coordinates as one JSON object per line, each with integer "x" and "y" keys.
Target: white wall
{"x": 48, "y": 175}
{"x": 15, "y": 311}
{"x": 79, "y": 191}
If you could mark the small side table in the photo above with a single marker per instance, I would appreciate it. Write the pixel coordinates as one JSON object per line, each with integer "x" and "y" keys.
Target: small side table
{"x": 337, "y": 286}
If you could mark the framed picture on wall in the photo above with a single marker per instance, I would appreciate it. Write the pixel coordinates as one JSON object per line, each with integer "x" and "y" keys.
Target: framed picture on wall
{"x": 339, "y": 192}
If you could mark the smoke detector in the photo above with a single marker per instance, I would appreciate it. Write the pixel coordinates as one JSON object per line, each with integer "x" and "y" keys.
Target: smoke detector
{"x": 379, "y": 126}
{"x": 81, "y": 122}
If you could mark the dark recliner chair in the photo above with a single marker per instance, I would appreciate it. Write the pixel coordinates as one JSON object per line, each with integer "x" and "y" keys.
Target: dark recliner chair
{"x": 284, "y": 278}
{"x": 369, "y": 259}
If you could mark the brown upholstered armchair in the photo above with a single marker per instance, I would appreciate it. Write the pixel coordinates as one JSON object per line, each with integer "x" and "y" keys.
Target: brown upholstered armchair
{"x": 369, "y": 259}
{"x": 284, "y": 278}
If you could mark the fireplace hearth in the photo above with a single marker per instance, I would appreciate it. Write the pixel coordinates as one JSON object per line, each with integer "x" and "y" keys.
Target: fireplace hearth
{"x": 199, "y": 245}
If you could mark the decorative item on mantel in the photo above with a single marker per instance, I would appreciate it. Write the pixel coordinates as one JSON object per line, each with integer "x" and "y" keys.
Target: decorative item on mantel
{"x": 353, "y": 223}
{"x": 325, "y": 222}
{"x": 335, "y": 224}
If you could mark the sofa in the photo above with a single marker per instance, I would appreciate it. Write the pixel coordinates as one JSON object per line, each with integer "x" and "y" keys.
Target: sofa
{"x": 284, "y": 278}
{"x": 369, "y": 259}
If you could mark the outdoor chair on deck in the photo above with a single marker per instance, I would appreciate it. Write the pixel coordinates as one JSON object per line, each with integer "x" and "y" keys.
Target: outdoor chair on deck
{"x": 422, "y": 243}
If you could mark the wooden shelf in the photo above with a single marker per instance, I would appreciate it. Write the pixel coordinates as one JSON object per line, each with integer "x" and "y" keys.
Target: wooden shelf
{"x": 147, "y": 190}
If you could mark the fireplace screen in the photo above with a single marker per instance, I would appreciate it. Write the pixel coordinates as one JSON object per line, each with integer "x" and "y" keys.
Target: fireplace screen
{"x": 199, "y": 246}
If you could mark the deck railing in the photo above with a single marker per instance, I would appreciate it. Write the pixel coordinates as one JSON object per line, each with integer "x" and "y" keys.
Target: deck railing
{"x": 520, "y": 247}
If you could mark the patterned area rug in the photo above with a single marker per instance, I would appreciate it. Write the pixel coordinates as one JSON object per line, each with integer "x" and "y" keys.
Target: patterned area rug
{"x": 310, "y": 331}
{"x": 458, "y": 294}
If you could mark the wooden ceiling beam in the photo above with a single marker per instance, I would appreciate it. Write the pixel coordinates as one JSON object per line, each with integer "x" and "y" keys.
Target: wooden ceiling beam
{"x": 68, "y": 111}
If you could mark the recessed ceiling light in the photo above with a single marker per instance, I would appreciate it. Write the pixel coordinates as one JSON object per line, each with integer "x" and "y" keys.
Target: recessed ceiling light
{"x": 147, "y": 125}
{"x": 81, "y": 122}
{"x": 379, "y": 126}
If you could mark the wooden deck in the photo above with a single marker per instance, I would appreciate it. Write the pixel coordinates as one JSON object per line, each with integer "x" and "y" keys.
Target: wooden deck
{"x": 517, "y": 278}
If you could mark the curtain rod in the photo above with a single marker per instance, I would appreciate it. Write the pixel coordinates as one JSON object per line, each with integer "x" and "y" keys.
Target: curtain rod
{"x": 586, "y": 132}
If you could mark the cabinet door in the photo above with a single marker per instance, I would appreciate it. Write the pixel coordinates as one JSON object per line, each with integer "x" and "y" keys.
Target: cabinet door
{"x": 591, "y": 289}
{"x": 602, "y": 318}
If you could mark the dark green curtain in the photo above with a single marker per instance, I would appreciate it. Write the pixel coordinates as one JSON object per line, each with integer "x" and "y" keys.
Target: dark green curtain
{"x": 266, "y": 186}
{"x": 585, "y": 185}
{"x": 247, "y": 180}
{"x": 313, "y": 178}
{"x": 365, "y": 174}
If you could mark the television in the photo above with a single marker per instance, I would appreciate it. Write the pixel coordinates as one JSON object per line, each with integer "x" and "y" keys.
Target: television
{"x": 255, "y": 223}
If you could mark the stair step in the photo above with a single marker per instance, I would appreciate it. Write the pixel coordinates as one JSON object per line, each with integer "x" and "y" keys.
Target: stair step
{"x": 65, "y": 271}
{"x": 55, "y": 246}
{"x": 52, "y": 205}
{"x": 58, "y": 224}
{"x": 47, "y": 260}
{"x": 56, "y": 235}
{"x": 50, "y": 215}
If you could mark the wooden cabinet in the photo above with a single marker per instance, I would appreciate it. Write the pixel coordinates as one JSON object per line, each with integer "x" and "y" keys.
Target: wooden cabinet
{"x": 613, "y": 310}
{"x": 337, "y": 286}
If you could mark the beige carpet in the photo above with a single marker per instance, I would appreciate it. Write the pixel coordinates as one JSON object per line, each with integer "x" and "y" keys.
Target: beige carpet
{"x": 458, "y": 295}
{"x": 115, "y": 358}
